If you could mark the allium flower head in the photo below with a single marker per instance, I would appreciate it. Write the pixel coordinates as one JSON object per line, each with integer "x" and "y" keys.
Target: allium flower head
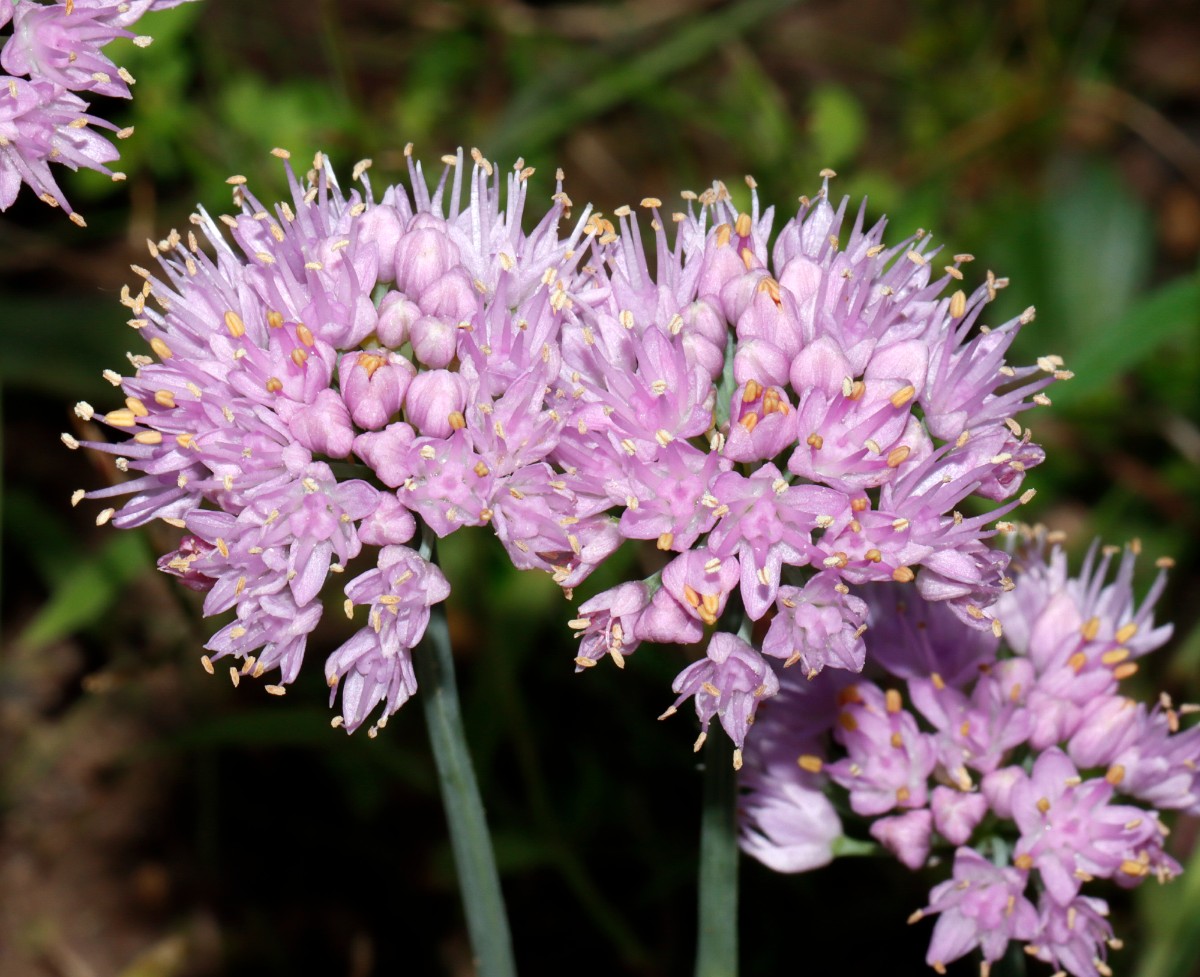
{"x": 1037, "y": 811}
{"x": 785, "y": 405}
{"x": 275, "y": 424}
{"x": 55, "y": 50}
{"x": 351, "y": 369}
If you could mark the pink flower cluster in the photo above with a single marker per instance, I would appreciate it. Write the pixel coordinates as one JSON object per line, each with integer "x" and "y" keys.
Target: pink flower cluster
{"x": 786, "y": 422}
{"x": 54, "y": 52}
{"x": 1024, "y": 757}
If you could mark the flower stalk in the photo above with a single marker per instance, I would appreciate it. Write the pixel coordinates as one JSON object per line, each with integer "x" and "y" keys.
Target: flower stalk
{"x": 717, "y": 919}
{"x": 474, "y": 861}
{"x": 716, "y": 939}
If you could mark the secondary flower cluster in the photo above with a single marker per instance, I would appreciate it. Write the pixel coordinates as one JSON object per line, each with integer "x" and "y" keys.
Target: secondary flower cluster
{"x": 1022, "y": 756}
{"x": 786, "y": 422}
{"x": 54, "y": 52}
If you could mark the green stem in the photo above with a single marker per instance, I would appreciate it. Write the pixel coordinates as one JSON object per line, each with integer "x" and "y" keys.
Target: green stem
{"x": 716, "y": 941}
{"x": 478, "y": 879}
{"x": 717, "y": 922}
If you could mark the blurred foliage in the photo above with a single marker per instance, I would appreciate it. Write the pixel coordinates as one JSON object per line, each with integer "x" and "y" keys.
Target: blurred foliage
{"x": 1057, "y": 141}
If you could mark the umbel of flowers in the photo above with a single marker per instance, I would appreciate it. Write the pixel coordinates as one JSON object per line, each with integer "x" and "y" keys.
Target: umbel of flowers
{"x": 788, "y": 423}
{"x": 1022, "y": 757}
{"x": 52, "y": 55}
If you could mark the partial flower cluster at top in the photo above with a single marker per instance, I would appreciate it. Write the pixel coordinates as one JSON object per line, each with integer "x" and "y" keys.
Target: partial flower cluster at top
{"x": 786, "y": 421}
{"x": 1024, "y": 757}
{"x": 53, "y": 54}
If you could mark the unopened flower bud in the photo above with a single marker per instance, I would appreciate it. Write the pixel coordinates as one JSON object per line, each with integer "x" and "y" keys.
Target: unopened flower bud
{"x": 704, "y": 354}
{"x": 1111, "y": 724}
{"x": 381, "y": 226}
{"x": 452, "y": 296}
{"x": 719, "y": 266}
{"x": 397, "y": 313}
{"x": 702, "y": 318}
{"x": 771, "y": 314}
{"x": 423, "y": 255}
{"x": 997, "y": 788}
{"x": 365, "y": 321}
{"x": 434, "y": 341}
{"x": 957, "y": 813}
{"x": 762, "y": 360}
{"x": 738, "y": 294}
{"x": 384, "y": 451}
{"x": 390, "y": 524}
{"x": 373, "y": 384}
{"x": 820, "y": 365}
{"x": 801, "y": 277}
{"x": 906, "y": 836}
{"x": 324, "y": 425}
{"x": 432, "y": 397}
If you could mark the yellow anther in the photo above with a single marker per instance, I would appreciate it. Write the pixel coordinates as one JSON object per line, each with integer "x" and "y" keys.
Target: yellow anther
{"x": 1127, "y": 632}
{"x": 120, "y": 418}
{"x": 370, "y": 362}
{"x": 958, "y": 304}
{"x": 138, "y": 408}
